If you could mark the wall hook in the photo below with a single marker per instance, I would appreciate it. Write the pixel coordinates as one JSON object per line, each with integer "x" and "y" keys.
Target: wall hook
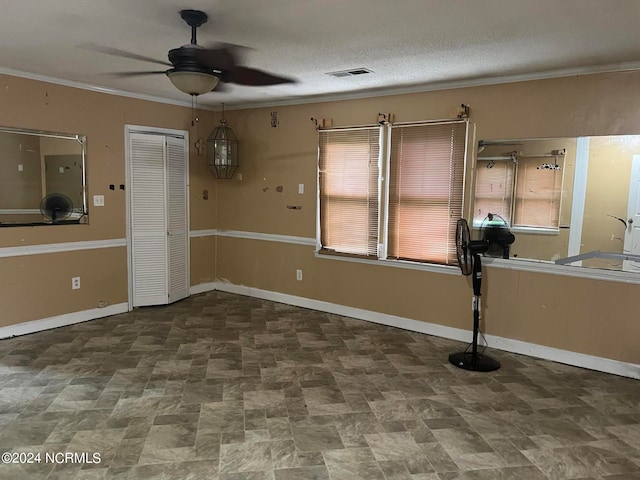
{"x": 384, "y": 118}
{"x": 463, "y": 111}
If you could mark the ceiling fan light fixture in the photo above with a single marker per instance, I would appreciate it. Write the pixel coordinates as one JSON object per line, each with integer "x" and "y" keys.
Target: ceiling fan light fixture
{"x": 193, "y": 83}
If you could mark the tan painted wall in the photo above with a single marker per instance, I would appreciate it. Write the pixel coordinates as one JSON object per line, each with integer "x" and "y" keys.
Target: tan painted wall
{"x": 203, "y": 260}
{"x": 608, "y": 178}
{"x": 19, "y": 150}
{"x": 39, "y": 286}
{"x": 558, "y": 311}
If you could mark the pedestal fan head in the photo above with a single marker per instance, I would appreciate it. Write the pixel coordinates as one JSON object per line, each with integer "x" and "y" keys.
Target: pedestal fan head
{"x": 467, "y": 248}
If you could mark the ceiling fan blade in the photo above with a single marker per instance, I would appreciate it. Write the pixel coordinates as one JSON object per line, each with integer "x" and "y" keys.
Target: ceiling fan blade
{"x": 137, "y": 74}
{"x": 255, "y": 77}
{"x": 233, "y": 47}
{"x": 220, "y": 58}
{"x": 117, "y": 52}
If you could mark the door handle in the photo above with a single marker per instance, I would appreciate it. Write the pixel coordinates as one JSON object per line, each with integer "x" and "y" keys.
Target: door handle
{"x": 630, "y": 221}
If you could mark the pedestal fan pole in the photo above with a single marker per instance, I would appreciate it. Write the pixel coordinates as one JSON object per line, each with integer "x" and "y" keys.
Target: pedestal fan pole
{"x": 473, "y": 360}
{"x": 476, "y": 328}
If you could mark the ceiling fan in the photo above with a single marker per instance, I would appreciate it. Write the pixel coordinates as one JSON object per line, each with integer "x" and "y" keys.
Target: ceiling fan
{"x": 196, "y": 70}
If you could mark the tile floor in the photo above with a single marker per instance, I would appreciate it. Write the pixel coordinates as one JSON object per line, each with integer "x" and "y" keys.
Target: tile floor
{"x": 222, "y": 386}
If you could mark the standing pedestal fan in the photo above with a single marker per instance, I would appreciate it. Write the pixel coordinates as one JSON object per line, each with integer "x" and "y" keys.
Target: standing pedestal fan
{"x": 470, "y": 262}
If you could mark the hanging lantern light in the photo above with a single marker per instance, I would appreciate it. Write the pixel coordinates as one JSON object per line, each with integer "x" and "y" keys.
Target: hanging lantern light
{"x": 222, "y": 150}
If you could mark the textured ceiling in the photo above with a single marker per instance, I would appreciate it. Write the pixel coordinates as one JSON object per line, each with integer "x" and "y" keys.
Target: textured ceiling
{"x": 408, "y": 44}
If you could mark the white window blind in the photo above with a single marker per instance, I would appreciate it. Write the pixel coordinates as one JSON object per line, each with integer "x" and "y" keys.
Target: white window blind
{"x": 426, "y": 190}
{"x": 537, "y": 194}
{"x": 349, "y": 194}
{"x": 494, "y": 189}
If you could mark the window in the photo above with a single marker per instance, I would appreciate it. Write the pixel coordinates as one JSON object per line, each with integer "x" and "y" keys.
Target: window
{"x": 537, "y": 195}
{"x": 524, "y": 190}
{"x": 426, "y": 190}
{"x": 409, "y": 215}
{"x": 494, "y": 189}
{"x": 348, "y": 175}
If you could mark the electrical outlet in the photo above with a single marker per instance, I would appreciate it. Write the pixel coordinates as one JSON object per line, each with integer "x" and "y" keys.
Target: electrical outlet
{"x": 301, "y": 188}
{"x": 299, "y": 275}
{"x": 75, "y": 283}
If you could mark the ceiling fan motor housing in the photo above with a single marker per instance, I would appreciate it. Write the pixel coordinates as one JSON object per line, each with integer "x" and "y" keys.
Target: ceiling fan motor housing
{"x": 187, "y": 59}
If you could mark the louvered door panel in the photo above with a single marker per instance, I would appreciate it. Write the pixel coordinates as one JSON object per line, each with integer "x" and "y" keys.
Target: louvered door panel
{"x": 148, "y": 219}
{"x": 177, "y": 219}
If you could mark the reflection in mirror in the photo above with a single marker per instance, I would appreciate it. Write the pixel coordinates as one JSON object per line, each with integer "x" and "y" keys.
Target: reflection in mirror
{"x": 563, "y": 197}
{"x": 42, "y": 178}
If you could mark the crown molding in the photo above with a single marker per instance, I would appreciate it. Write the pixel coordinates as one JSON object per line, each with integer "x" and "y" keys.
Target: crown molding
{"x": 94, "y": 88}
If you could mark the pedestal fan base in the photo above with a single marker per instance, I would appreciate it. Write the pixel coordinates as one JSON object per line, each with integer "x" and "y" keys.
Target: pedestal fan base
{"x": 481, "y": 363}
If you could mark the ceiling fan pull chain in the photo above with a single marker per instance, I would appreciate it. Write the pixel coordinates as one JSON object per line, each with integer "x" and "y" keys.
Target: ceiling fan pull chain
{"x": 194, "y": 110}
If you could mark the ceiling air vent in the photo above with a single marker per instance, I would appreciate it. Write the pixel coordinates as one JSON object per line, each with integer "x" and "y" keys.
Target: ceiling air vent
{"x": 350, "y": 73}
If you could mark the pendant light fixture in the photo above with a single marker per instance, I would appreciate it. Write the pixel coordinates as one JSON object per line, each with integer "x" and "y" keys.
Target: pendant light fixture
{"x": 222, "y": 150}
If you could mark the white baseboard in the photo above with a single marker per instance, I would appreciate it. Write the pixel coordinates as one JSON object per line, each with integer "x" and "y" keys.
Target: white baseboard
{"x": 62, "y": 320}
{"x": 515, "y": 346}
{"x": 202, "y": 288}
{"x": 567, "y": 357}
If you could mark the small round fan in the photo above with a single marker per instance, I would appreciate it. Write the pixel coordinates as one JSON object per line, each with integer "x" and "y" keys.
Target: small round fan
{"x": 56, "y": 207}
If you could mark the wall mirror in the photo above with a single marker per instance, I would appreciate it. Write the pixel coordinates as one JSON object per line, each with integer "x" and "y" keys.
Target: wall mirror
{"x": 42, "y": 178}
{"x": 571, "y": 201}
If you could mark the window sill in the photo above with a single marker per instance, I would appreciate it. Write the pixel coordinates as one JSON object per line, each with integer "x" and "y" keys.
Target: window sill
{"x": 425, "y": 267}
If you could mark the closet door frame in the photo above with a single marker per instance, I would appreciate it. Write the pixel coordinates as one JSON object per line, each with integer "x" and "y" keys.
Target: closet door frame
{"x": 129, "y": 129}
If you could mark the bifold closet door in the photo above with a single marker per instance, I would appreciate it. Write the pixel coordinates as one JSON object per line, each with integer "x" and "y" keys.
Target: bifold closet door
{"x": 177, "y": 215}
{"x": 159, "y": 219}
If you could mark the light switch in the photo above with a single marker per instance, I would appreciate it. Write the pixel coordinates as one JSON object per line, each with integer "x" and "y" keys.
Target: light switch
{"x": 301, "y": 188}
{"x": 61, "y": 169}
{"x": 98, "y": 200}
{"x": 20, "y": 167}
